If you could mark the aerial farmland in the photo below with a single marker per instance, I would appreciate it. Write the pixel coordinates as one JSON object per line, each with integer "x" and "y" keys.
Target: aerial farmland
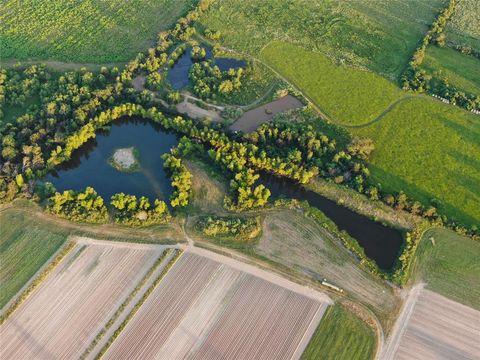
{"x": 239, "y": 179}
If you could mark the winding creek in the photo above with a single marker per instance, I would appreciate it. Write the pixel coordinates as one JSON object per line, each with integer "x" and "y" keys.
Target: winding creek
{"x": 89, "y": 167}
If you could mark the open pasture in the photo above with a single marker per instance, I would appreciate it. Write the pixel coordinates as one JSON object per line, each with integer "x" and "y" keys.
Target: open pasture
{"x": 379, "y": 35}
{"x": 207, "y": 309}
{"x": 79, "y": 31}
{"x": 25, "y": 245}
{"x": 464, "y": 27}
{"x": 63, "y": 315}
{"x": 436, "y": 328}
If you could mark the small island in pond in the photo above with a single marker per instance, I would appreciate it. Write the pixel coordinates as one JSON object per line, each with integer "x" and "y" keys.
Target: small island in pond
{"x": 125, "y": 159}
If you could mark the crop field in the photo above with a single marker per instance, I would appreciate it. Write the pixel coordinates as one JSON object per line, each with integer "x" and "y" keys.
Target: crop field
{"x": 90, "y": 31}
{"x": 437, "y": 328}
{"x": 380, "y": 35}
{"x": 294, "y": 240}
{"x": 63, "y": 315}
{"x": 462, "y": 71}
{"x": 443, "y": 257}
{"x": 25, "y": 245}
{"x": 464, "y": 27}
{"x": 341, "y": 336}
{"x": 206, "y": 309}
{"x": 413, "y": 139}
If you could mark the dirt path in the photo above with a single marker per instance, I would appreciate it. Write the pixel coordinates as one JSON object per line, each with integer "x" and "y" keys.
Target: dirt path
{"x": 400, "y": 326}
{"x": 196, "y": 112}
{"x": 60, "y": 65}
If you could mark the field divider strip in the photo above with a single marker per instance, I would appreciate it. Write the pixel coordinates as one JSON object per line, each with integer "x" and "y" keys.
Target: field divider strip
{"x": 177, "y": 254}
{"x": 37, "y": 280}
{"x": 125, "y": 303}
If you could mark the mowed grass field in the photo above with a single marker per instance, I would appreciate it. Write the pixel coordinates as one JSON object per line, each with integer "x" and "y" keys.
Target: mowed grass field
{"x": 464, "y": 27}
{"x": 90, "y": 31}
{"x": 431, "y": 151}
{"x": 462, "y": 71}
{"x": 448, "y": 264}
{"x": 341, "y": 335}
{"x": 345, "y": 95}
{"x": 379, "y": 35}
{"x": 25, "y": 245}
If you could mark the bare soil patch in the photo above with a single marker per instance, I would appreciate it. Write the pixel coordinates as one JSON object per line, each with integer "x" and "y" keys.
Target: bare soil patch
{"x": 125, "y": 159}
{"x": 252, "y": 119}
{"x": 435, "y": 327}
{"x": 209, "y": 306}
{"x": 63, "y": 315}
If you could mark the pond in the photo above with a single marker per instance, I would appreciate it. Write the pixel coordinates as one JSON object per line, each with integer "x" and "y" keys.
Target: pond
{"x": 252, "y": 119}
{"x": 178, "y": 74}
{"x": 90, "y": 166}
{"x": 381, "y": 243}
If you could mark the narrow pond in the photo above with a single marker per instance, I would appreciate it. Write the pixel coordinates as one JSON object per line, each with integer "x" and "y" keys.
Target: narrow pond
{"x": 178, "y": 74}
{"x": 90, "y": 166}
{"x": 381, "y": 243}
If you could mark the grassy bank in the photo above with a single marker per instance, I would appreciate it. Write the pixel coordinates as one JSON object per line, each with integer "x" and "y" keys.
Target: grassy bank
{"x": 84, "y": 31}
{"x": 25, "y": 245}
{"x": 341, "y": 335}
{"x": 449, "y": 264}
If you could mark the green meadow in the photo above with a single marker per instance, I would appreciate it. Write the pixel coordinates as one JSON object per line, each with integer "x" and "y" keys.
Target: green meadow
{"x": 90, "y": 31}
{"x": 26, "y": 243}
{"x": 462, "y": 71}
{"x": 379, "y": 35}
{"x": 448, "y": 264}
{"x": 341, "y": 335}
{"x": 432, "y": 152}
{"x": 464, "y": 27}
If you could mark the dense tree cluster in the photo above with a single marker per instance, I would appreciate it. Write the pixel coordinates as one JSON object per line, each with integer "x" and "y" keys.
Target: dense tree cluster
{"x": 208, "y": 80}
{"x": 416, "y": 79}
{"x": 129, "y": 210}
{"x": 84, "y": 206}
{"x": 198, "y": 53}
{"x": 181, "y": 179}
{"x": 239, "y": 228}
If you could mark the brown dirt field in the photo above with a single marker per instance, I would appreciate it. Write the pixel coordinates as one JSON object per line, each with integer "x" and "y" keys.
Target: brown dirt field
{"x": 296, "y": 241}
{"x": 436, "y": 328}
{"x": 252, "y": 119}
{"x": 63, "y": 315}
{"x": 208, "y": 309}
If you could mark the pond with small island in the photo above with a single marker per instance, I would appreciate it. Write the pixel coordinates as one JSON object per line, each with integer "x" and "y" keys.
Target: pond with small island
{"x": 93, "y": 164}
{"x": 139, "y": 144}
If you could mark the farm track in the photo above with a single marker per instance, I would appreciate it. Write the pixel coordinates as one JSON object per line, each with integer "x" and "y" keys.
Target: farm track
{"x": 68, "y": 309}
{"x": 205, "y": 308}
{"x": 435, "y": 327}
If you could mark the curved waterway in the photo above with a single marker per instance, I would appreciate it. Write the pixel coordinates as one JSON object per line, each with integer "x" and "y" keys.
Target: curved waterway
{"x": 89, "y": 165}
{"x": 381, "y": 243}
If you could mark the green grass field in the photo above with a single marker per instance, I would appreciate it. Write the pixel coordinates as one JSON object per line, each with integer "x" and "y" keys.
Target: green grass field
{"x": 430, "y": 150}
{"x": 462, "y": 71}
{"x": 25, "y": 245}
{"x": 91, "y": 31}
{"x": 341, "y": 335}
{"x": 380, "y": 35}
{"x": 449, "y": 264}
{"x": 464, "y": 27}
{"x": 346, "y": 95}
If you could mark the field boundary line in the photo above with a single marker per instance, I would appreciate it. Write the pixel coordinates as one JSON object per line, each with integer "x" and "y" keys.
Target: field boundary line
{"x": 121, "y": 308}
{"x": 36, "y": 280}
{"x": 177, "y": 255}
{"x": 308, "y": 334}
{"x": 401, "y": 324}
